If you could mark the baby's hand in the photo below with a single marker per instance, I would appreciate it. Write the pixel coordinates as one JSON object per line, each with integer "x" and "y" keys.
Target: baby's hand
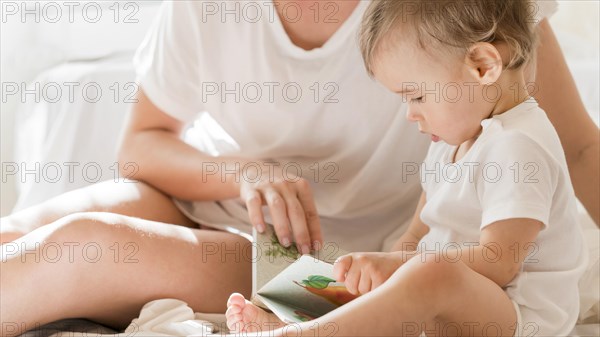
{"x": 363, "y": 272}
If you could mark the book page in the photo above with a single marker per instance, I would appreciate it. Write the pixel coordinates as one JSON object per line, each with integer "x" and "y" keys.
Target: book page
{"x": 270, "y": 258}
{"x": 285, "y": 312}
{"x": 305, "y": 290}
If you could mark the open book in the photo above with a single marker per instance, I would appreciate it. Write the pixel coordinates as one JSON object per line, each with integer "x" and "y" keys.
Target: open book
{"x": 295, "y": 287}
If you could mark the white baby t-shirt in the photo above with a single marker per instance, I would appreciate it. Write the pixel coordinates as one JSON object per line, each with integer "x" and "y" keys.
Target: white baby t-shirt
{"x": 515, "y": 169}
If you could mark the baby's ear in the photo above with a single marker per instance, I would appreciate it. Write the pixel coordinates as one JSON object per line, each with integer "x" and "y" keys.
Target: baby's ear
{"x": 484, "y": 62}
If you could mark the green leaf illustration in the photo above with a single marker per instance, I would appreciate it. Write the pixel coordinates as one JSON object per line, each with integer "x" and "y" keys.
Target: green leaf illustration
{"x": 317, "y": 281}
{"x": 277, "y": 250}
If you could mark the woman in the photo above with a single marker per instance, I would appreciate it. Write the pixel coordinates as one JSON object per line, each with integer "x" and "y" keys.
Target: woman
{"x": 348, "y": 136}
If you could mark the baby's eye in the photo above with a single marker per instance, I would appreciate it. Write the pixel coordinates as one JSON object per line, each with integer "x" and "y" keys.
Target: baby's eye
{"x": 417, "y": 100}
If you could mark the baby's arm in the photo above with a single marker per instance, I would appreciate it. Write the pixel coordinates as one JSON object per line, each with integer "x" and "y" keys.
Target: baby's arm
{"x": 416, "y": 230}
{"x": 503, "y": 246}
{"x": 363, "y": 272}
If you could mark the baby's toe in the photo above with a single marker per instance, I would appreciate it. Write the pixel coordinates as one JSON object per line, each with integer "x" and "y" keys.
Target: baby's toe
{"x": 235, "y": 323}
{"x": 250, "y": 313}
{"x": 233, "y": 316}
{"x": 236, "y": 299}
{"x": 233, "y": 309}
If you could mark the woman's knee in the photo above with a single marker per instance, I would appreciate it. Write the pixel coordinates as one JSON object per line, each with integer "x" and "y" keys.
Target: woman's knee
{"x": 78, "y": 237}
{"x": 135, "y": 199}
{"x": 86, "y": 225}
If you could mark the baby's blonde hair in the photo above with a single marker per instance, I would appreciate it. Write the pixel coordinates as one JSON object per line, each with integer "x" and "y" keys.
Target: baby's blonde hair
{"x": 454, "y": 24}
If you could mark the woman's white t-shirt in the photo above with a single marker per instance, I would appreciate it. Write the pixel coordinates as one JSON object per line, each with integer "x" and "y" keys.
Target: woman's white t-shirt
{"x": 230, "y": 70}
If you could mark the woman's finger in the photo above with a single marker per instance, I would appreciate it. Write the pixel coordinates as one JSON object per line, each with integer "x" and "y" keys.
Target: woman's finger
{"x": 313, "y": 222}
{"x": 254, "y": 205}
{"x": 278, "y": 211}
{"x": 297, "y": 220}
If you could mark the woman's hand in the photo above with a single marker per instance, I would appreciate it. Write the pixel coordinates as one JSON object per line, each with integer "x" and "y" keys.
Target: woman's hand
{"x": 290, "y": 202}
{"x": 363, "y": 272}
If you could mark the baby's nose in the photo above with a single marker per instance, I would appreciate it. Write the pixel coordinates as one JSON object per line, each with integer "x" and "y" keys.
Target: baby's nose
{"x": 412, "y": 115}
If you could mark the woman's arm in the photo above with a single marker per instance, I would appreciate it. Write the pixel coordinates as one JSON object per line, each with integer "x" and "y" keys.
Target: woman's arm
{"x": 557, "y": 94}
{"x": 416, "y": 230}
{"x": 152, "y": 142}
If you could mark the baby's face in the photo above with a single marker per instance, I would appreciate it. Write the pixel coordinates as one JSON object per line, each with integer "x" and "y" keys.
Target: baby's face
{"x": 443, "y": 96}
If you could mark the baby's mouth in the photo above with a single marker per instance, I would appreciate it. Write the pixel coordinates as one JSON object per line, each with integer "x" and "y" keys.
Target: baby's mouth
{"x": 434, "y": 138}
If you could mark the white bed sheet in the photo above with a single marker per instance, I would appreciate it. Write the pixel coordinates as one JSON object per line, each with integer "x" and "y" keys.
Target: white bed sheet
{"x": 73, "y": 132}
{"x": 169, "y": 317}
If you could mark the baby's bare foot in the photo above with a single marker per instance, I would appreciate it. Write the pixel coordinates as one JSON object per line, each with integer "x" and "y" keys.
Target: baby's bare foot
{"x": 243, "y": 316}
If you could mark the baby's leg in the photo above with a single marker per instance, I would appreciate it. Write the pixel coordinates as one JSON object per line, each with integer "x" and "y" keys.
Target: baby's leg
{"x": 439, "y": 298}
{"x": 243, "y": 316}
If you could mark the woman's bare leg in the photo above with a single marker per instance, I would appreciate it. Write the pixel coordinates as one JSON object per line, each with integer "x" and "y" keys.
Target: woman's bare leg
{"x": 133, "y": 199}
{"x": 55, "y": 272}
{"x": 439, "y": 298}
{"x": 105, "y": 267}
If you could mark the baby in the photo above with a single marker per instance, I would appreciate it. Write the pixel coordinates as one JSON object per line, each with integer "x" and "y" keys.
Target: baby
{"x": 494, "y": 246}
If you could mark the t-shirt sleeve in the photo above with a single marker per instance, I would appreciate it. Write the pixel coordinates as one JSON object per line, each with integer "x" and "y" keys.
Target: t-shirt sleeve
{"x": 167, "y": 61}
{"x": 543, "y": 9}
{"x": 517, "y": 178}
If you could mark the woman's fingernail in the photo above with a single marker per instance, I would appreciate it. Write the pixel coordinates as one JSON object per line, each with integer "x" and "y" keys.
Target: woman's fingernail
{"x": 285, "y": 242}
{"x": 316, "y": 245}
{"x": 305, "y": 249}
{"x": 261, "y": 228}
